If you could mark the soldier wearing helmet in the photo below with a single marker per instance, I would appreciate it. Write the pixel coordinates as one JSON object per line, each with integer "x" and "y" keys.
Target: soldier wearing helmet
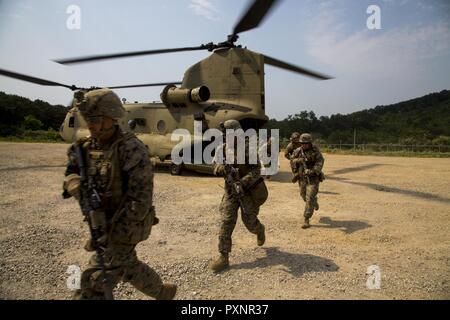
{"x": 307, "y": 161}
{"x": 294, "y": 143}
{"x": 247, "y": 178}
{"x": 118, "y": 165}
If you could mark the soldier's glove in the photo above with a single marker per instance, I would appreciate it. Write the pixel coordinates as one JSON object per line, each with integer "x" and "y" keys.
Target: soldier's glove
{"x": 72, "y": 185}
{"x": 219, "y": 170}
{"x": 238, "y": 188}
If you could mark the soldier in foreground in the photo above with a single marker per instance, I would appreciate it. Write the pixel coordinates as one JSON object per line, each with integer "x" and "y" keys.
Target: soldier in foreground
{"x": 307, "y": 163}
{"x": 244, "y": 189}
{"x": 294, "y": 143}
{"x": 110, "y": 174}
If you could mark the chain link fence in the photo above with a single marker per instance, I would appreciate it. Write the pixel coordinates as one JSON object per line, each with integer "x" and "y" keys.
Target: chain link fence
{"x": 374, "y": 147}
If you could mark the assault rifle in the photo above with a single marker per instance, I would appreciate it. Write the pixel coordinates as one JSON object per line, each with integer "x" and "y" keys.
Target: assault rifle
{"x": 303, "y": 159}
{"x": 90, "y": 204}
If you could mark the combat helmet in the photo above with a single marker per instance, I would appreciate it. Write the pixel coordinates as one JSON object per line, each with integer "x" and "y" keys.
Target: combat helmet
{"x": 99, "y": 102}
{"x": 295, "y": 136}
{"x": 305, "y": 138}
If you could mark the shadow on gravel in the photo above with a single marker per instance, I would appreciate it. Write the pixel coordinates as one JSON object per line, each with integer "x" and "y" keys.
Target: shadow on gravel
{"x": 294, "y": 263}
{"x": 358, "y": 168}
{"x": 348, "y": 226}
{"x": 329, "y": 192}
{"x": 165, "y": 169}
{"x": 383, "y": 188}
{"x": 282, "y": 176}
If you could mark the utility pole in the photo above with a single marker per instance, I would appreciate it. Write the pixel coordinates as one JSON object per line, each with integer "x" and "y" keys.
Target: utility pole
{"x": 354, "y": 139}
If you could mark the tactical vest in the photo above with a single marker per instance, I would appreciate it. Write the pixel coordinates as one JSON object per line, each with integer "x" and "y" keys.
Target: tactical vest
{"x": 311, "y": 156}
{"x": 257, "y": 190}
{"x": 104, "y": 169}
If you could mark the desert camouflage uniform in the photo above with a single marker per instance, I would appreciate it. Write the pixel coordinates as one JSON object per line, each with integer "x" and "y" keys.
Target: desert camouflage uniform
{"x": 124, "y": 178}
{"x": 309, "y": 187}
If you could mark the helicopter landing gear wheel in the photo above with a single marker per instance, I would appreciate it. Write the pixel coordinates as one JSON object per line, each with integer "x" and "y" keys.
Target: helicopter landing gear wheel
{"x": 176, "y": 169}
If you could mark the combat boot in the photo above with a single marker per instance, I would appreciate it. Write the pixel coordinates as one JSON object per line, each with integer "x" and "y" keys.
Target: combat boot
{"x": 306, "y": 224}
{"x": 167, "y": 292}
{"x": 221, "y": 263}
{"x": 261, "y": 235}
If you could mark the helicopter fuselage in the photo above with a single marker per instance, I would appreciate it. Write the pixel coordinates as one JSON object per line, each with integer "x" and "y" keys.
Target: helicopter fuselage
{"x": 235, "y": 80}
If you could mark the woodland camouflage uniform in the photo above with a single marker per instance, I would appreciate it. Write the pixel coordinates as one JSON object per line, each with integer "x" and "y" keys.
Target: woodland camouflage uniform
{"x": 123, "y": 177}
{"x": 310, "y": 175}
{"x": 255, "y": 195}
{"x": 294, "y": 143}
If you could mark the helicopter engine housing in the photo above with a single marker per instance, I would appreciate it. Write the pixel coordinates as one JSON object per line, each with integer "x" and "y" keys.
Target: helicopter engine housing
{"x": 172, "y": 96}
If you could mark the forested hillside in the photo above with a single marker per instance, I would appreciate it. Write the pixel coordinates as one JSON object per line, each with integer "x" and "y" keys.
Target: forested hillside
{"x": 18, "y": 114}
{"x": 417, "y": 121}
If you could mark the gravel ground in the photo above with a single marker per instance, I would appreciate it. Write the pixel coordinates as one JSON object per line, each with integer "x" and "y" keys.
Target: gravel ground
{"x": 389, "y": 212}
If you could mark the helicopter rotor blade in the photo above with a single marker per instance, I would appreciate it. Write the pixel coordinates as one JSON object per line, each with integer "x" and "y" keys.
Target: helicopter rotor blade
{"x": 35, "y": 80}
{"x": 254, "y": 15}
{"x": 128, "y": 54}
{"x": 287, "y": 66}
{"x": 145, "y": 85}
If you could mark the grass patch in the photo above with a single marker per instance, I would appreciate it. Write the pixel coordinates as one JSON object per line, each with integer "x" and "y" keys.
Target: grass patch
{"x": 49, "y": 136}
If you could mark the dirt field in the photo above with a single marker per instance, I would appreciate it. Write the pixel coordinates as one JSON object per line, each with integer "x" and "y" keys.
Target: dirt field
{"x": 389, "y": 212}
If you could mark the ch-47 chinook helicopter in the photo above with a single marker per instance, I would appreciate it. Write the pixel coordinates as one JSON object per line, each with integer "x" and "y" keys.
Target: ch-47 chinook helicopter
{"x": 229, "y": 84}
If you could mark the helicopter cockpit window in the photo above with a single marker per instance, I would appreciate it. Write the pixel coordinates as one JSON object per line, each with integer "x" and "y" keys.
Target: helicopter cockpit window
{"x": 161, "y": 126}
{"x": 71, "y": 122}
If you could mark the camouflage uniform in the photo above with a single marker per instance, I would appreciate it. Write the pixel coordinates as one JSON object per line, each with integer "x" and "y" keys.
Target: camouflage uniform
{"x": 254, "y": 197}
{"x": 123, "y": 176}
{"x": 309, "y": 182}
{"x": 289, "y": 151}
{"x": 229, "y": 207}
{"x": 293, "y": 144}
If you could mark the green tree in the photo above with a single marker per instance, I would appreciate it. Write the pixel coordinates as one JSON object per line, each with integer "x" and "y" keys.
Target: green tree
{"x": 31, "y": 123}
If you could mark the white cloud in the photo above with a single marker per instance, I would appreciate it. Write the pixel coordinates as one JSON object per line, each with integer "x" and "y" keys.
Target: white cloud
{"x": 205, "y": 8}
{"x": 376, "y": 53}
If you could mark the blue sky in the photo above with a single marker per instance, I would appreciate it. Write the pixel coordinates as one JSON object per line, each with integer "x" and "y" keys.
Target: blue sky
{"x": 408, "y": 57}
